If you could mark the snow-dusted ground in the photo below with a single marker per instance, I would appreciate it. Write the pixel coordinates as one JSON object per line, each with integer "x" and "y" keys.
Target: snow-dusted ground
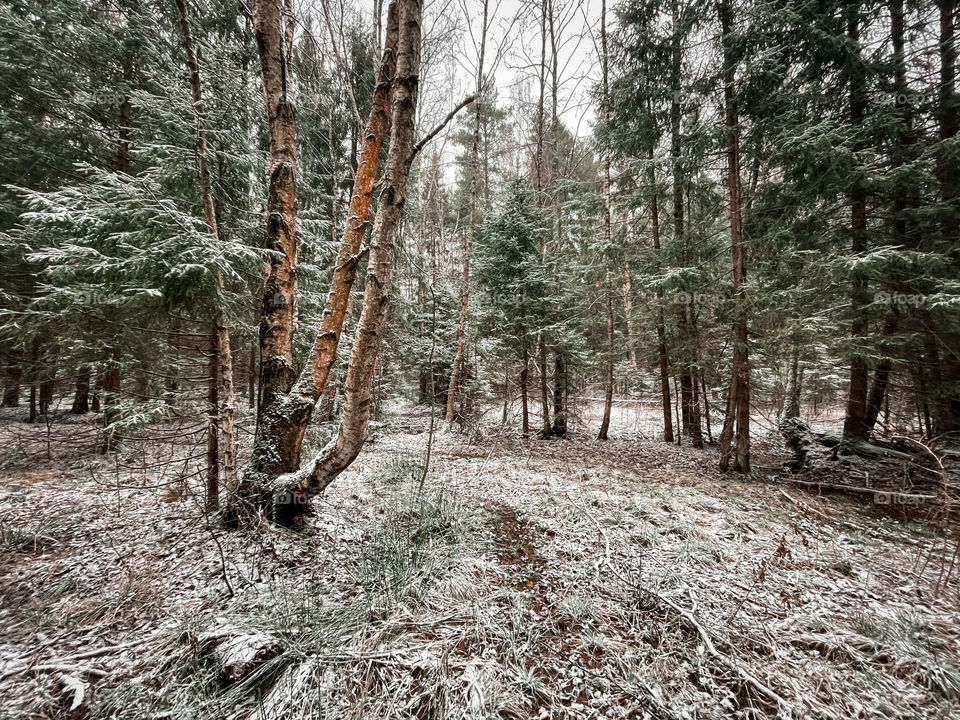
{"x": 525, "y": 579}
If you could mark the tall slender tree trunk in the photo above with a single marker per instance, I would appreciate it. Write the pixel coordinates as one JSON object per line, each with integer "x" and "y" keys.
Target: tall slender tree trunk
{"x": 946, "y": 388}
{"x": 252, "y": 378}
{"x": 227, "y": 407}
{"x": 213, "y": 423}
{"x": 458, "y": 363}
{"x": 628, "y": 313}
{"x": 221, "y": 367}
{"x": 524, "y": 395}
{"x": 692, "y": 373}
{"x": 685, "y": 386}
{"x": 662, "y": 356}
{"x": 608, "y": 304}
{"x": 608, "y": 373}
{"x": 735, "y": 453}
{"x": 854, "y": 425}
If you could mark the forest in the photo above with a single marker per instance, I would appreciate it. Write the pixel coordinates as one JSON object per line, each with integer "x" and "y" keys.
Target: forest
{"x": 468, "y": 359}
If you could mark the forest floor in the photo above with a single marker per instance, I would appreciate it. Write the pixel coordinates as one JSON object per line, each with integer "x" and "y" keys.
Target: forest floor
{"x": 518, "y": 579}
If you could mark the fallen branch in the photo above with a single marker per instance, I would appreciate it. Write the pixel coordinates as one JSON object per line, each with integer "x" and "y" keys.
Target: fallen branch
{"x": 902, "y": 496}
{"x": 66, "y": 669}
{"x": 717, "y": 655}
{"x": 802, "y": 504}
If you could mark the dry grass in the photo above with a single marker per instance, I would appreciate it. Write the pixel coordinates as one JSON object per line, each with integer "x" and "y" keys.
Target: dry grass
{"x": 526, "y": 579}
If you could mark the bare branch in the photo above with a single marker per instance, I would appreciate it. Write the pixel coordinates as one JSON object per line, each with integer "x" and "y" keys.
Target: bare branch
{"x": 433, "y": 133}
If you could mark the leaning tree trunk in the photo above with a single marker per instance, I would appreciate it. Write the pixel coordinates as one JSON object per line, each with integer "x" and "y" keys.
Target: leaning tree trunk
{"x": 285, "y": 408}
{"x": 341, "y": 451}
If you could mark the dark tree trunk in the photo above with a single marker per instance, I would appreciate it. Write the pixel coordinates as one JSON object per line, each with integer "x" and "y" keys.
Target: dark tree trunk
{"x": 559, "y": 426}
{"x": 11, "y": 383}
{"x": 524, "y": 395}
{"x": 46, "y": 394}
{"x": 881, "y": 376}
{"x": 81, "y": 398}
{"x": 947, "y": 388}
{"x": 252, "y": 378}
{"x": 541, "y": 363}
{"x": 213, "y": 425}
{"x": 855, "y": 425}
{"x": 607, "y": 237}
{"x": 735, "y": 436}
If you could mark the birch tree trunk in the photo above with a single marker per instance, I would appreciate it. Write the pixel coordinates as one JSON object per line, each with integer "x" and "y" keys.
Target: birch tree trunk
{"x": 285, "y": 404}
{"x": 341, "y": 451}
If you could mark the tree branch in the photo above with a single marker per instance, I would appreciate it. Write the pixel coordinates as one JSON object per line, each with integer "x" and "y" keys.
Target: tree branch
{"x": 433, "y": 133}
